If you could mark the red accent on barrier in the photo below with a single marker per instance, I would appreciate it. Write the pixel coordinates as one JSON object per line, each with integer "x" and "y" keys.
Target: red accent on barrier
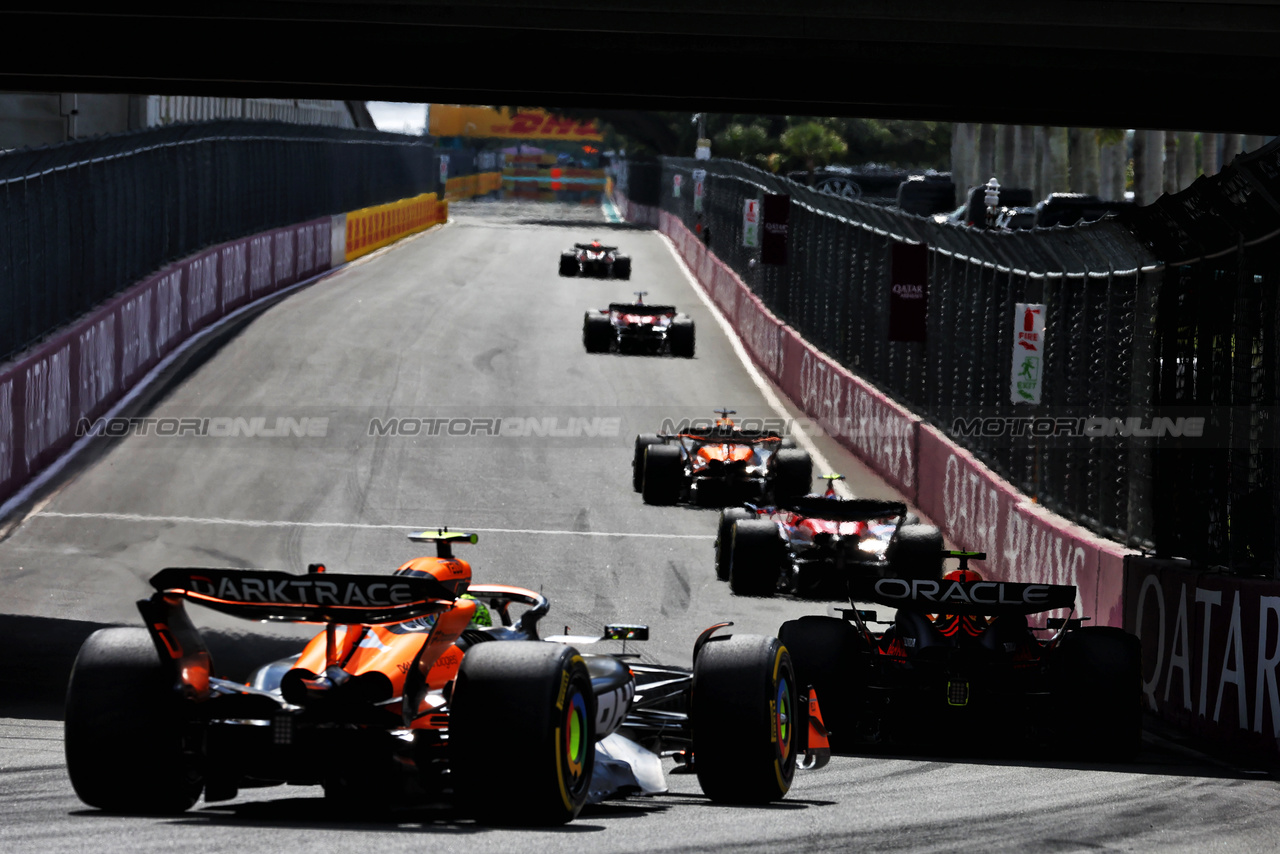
{"x": 47, "y": 391}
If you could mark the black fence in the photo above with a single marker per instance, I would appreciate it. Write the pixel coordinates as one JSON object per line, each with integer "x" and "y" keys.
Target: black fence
{"x": 1133, "y": 343}
{"x": 83, "y": 220}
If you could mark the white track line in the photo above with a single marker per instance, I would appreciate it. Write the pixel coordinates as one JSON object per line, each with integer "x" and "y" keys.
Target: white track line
{"x": 282, "y": 523}
{"x": 753, "y": 372}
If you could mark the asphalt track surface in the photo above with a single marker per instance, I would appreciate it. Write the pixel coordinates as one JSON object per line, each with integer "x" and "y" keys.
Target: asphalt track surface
{"x": 471, "y": 321}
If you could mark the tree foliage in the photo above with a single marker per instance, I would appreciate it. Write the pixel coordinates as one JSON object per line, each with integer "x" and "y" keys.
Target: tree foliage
{"x": 758, "y": 139}
{"x": 813, "y": 144}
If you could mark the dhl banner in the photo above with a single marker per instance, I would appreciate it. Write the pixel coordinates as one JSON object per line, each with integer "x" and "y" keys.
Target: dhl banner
{"x": 372, "y": 228}
{"x": 494, "y": 123}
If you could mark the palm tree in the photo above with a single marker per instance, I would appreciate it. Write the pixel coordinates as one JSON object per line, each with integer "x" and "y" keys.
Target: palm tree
{"x": 813, "y": 144}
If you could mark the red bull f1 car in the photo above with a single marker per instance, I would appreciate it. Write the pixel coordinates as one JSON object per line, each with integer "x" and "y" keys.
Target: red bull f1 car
{"x": 406, "y": 691}
{"x": 810, "y": 546}
{"x": 719, "y": 465}
{"x": 960, "y": 668}
{"x": 638, "y": 327}
{"x": 595, "y": 260}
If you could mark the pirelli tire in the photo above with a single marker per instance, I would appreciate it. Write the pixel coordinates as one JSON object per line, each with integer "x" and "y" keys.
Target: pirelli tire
{"x": 597, "y": 332}
{"x": 681, "y": 337}
{"x": 129, "y": 746}
{"x": 826, "y": 653}
{"x": 792, "y": 474}
{"x": 757, "y": 557}
{"x": 534, "y": 695}
{"x": 742, "y": 710}
{"x": 724, "y": 537}
{"x": 664, "y": 478}
{"x": 622, "y": 267}
{"x": 568, "y": 264}
{"x": 643, "y": 441}
{"x": 1096, "y": 683}
{"x": 916, "y": 553}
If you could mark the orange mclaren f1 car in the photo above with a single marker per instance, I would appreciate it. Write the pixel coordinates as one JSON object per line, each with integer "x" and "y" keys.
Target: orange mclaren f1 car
{"x": 719, "y": 465}
{"x": 405, "y": 691}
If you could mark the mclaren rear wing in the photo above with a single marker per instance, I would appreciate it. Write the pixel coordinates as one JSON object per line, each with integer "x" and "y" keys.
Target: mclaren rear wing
{"x": 263, "y": 595}
{"x": 313, "y": 597}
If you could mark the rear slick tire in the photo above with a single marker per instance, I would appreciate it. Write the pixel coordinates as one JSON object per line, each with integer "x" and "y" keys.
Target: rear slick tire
{"x": 643, "y": 441}
{"x": 125, "y": 733}
{"x": 724, "y": 538}
{"x": 536, "y": 696}
{"x": 742, "y": 711}
{"x": 663, "y": 475}
{"x": 755, "y": 565}
{"x": 825, "y": 653}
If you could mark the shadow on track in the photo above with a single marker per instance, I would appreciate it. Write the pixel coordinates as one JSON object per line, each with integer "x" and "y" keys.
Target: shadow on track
{"x": 33, "y": 682}
{"x": 1165, "y": 752}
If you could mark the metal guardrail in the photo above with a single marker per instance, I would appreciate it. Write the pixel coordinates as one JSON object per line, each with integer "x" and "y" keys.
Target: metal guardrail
{"x": 1168, "y": 312}
{"x": 81, "y": 221}
{"x": 1099, "y": 285}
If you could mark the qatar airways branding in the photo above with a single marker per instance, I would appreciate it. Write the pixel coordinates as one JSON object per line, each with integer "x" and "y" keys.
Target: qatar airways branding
{"x": 963, "y": 593}
{"x": 303, "y": 591}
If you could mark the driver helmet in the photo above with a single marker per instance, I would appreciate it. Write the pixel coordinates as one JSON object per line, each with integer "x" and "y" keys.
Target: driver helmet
{"x": 963, "y": 575}
{"x": 481, "y": 619}
{"x": 972, "y": 625}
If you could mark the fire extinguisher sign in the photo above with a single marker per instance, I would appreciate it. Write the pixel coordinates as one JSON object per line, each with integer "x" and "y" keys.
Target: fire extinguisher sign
{"x": 1028, "y": 352}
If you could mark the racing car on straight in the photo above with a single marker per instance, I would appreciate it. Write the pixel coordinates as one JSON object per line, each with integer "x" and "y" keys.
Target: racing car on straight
{"x": 595, "y": 260}
{"x": 809, "y": 546}
{"x": 959, "y": 668}
{"x": 638, "y": 327}
{"x": 406, "y": 691}
{"x": 719, "y": 465}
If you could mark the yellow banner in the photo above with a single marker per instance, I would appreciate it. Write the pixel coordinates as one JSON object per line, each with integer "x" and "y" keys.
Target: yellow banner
{"x": 466, "y": 186}
{"x": 372, "y": 228}
{"x": 493, "y": 123}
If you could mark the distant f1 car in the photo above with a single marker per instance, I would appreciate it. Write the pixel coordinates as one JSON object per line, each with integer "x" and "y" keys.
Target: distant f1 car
{"x": 637, "y": 327}
{"x": 812, "y": 545}
{"x": 960, "y": 668}
{"x": 595, "y": 260}
{"x": 409, "y": 692}
{"x": 718, "y": 466}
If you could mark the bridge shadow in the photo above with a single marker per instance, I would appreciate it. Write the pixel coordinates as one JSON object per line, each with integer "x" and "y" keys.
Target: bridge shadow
{"x": 1165, "y": 752}
{"x": 40, "y": 651}
{"x": 593, "y": 224}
